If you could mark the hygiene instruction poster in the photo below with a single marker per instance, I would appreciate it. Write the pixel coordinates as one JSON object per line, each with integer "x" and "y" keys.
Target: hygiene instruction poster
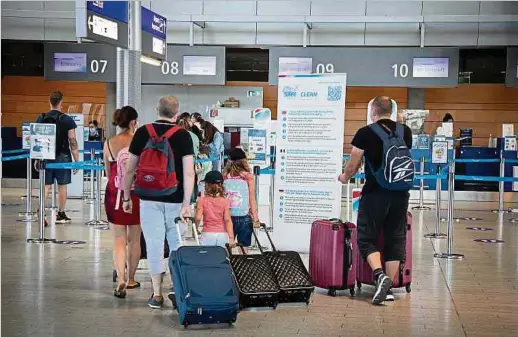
{"x": 43, "y": 141}
{"x": 311, "y": 114}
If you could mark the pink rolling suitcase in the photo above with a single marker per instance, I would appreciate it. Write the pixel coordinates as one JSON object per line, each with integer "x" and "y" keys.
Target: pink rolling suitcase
{"x": 333, "y": 255}
{"x": 364, "y": 272}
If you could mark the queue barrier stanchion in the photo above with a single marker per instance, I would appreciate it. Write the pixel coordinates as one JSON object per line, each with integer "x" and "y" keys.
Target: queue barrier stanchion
{"x": 451, "y": 196}
{"x": 501, "y": 187}
{"x": 437, "y": 233}
{"x": 41, "y": 238}
{"x": 97, "y": 221}
{"x": 257, "y": 173}
{"x": 421, "y": 206}
{"x": 28, "y": 215}
{"x": 91, "y": 198}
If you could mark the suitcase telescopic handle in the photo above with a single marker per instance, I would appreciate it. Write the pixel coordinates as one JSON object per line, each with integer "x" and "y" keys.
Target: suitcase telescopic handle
{"x": 263, "y": 226}
{"x": 243, "y": 251}
{"x": 194, "y": 229}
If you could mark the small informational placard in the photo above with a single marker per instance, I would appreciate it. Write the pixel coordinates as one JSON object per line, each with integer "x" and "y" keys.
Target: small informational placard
{"x": 26, "y": 135}
{"x": 295, "y": 65}
{"x": 423, "y": 142}
{"x": 507, "y": 130}
{"x": 439, "y": 152}
{"x": 430, "y": 67}
{"x": 43, "y": 141}
{"x": 257, "y": 145}
{"x": 510, "y": 143}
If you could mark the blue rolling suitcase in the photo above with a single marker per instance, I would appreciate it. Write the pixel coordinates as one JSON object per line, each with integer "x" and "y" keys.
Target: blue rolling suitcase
{"x": 204, "y": 285}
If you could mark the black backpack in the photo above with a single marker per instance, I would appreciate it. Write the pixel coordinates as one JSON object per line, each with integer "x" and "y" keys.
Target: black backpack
{"x": 47, "y": 118}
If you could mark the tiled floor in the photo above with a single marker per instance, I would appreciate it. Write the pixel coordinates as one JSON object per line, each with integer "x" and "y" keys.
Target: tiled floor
{"x": 63, "y": 290}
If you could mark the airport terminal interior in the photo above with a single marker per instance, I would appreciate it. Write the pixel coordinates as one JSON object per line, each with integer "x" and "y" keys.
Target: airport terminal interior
{"x": 289, "y": 83}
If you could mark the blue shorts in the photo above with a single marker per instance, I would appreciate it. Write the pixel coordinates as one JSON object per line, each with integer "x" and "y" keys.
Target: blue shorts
{"x": 243, "y": 229}
{"x": 62, "y": 177}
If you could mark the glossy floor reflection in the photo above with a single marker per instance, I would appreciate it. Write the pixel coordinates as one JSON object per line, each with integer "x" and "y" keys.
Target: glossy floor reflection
{"x": 65, "y": 290}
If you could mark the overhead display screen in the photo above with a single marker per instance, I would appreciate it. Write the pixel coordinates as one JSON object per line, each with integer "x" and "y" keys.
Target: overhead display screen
{"x": 154, "y": 34}
{"x": 430, "y": 67}
{"x": 295, "y": 65}
{"x": 199, "y": 65}
{"x": 70, "y": 62}
{"x": 371, "y": 66}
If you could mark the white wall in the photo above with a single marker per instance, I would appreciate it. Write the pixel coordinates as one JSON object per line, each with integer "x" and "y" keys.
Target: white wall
{"x": 54, "y": 20}
{"x": 195, "y": 98}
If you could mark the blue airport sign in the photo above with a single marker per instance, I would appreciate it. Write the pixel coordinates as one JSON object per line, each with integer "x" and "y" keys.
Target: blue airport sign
{"x": 116, "y": 10}
{"x": 106, "y": 22}
{"x": 154, "y": 34}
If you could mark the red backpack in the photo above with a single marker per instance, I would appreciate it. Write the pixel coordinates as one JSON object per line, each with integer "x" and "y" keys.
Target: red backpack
{"x": 156, "y": 174}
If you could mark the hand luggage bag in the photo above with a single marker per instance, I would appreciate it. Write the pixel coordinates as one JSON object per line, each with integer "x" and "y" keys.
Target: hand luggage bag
{"x": 204, "y": 286}
{"x": 364, "y": 272}
{"x": 333, "y": 255}
{"x": 255, "y": 280}
{"x": 291, "y": 273}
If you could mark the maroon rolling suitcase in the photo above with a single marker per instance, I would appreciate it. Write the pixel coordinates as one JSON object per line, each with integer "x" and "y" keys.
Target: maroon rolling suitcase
{"x": 364, "y": 272}
{"x": 333, "y": 255}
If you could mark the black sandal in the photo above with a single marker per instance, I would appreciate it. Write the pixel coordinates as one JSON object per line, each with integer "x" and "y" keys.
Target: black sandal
{"x": 134, "y": 286}
{"x": 120, "y": 291}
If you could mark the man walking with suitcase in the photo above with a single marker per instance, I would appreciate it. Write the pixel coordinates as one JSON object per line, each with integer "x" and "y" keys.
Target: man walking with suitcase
{"x": 161, "y": 165}
{"x": 389, "y": 173}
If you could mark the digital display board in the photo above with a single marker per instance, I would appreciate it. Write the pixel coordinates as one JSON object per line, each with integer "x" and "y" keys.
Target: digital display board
{"x": 295, "y": 65}
{"x": 430, "y": 67}
{"x": 199, "y": 65}
{"x": 70, "y": 62}
{"x": 372, "y": 66}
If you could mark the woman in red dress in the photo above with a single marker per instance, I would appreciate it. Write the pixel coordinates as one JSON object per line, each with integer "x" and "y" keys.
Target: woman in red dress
{"x": 124, "y": 226}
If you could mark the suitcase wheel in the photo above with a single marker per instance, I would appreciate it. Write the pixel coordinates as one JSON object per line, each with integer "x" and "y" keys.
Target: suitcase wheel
{"x": 114, "y": 276}
{"x": 359, "y": 284}
{"x": 408, "y": 288}
{"x": 352, "y": 292}
{"x": 332, "y": 292}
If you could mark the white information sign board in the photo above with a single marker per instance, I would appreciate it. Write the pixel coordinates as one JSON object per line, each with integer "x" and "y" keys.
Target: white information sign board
{"x": 43, "y": 141}
{"x": 309, "y": 155}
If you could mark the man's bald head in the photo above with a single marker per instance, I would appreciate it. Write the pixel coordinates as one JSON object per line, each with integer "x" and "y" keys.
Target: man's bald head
{"x": 381, "y": 108}
{"x": 168, "y": 107}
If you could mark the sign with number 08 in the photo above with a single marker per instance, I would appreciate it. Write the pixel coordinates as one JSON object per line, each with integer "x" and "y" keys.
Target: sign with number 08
{"x": 170, "y": 68}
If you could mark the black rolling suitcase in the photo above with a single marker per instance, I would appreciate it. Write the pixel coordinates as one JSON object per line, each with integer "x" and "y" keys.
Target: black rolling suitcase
{"x": 255, "y": 280}
{"x": 291, "y": 274}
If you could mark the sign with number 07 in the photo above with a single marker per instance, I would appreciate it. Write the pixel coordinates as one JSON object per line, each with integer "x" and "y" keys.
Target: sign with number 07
{"x": 97, "y": 66}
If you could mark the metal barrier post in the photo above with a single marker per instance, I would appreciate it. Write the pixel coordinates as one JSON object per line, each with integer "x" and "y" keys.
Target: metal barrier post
{"x": 41, "y": 238}
{"x": 54, "y": 190}
{"x": 91, "y": 198}
{"x": 97, "y": 203}
{"x": 437, "y": 234}
{"x": 449, "y": 248}
{"x": 28, "y": 214}
{"x": 501, "y": 186}
{"x": 421, "y": 206}
{"x": 257, "y": 172}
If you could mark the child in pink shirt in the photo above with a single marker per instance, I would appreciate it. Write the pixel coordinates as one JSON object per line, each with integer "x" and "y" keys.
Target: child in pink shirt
{"x": 214, "y": 209}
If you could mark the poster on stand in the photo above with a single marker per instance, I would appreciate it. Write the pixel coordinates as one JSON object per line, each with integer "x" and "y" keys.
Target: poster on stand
{"x": 43, "y": 141}
{"x": 257, "y": 146}
{"x": 26, "y": 135}
{"x": 311, "y": 113}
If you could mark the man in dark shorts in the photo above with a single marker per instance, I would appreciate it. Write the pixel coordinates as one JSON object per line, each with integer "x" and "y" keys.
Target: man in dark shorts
{"x": 66, "y": 147}
{"x": 380, "y": 209}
